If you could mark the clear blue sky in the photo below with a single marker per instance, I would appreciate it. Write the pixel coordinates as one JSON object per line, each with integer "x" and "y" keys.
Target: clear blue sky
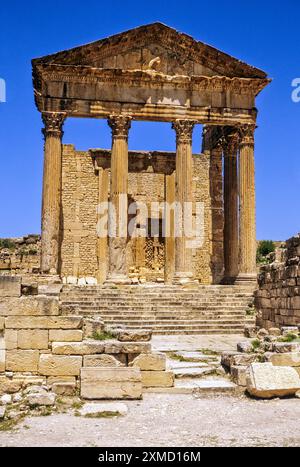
{"x": 262, "y": 33}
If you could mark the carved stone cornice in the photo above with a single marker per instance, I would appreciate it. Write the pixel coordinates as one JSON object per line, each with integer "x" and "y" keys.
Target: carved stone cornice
{"x": 120, "y": 126}
{"x": 184, "y": 130}
{"x": 247, "y": 135}
{"x": 230, "y": 142}
{"x": 53, "y": 122}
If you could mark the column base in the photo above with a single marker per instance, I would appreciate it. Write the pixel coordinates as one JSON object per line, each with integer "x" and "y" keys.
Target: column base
{"x": 246, "y": 279}
{"x": 229, "y": 280}
{"x": 117, "y": 279}
{"x": 182, "y": 278}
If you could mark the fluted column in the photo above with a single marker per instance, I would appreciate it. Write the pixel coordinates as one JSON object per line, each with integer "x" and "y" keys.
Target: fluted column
{"x": 118, "y": 209}
{"x": 51, "y": 203}
{"x": 184, "y": 198}
{"x": 247, "y": 259}
{"x": 231, "y": 242}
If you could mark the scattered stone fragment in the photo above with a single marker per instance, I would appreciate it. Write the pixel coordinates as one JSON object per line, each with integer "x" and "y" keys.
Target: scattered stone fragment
{"x": 285, "y": 330}
{"x": 64, "y": 389}
{"x": 135, "y": 336}
{"x": 274, "y": 332}
{"x": 150, "y": 362}
{"x": 103, "y": 360}
{"x": 239, "y": 374}
{"x": 262, "y": 333}
{"x": 250, "y": 331}
{"x": 245, "y": 347}
{"x": 107, "y": 409}
{"x": 284, "y": 347}
{"x": 2, "y": 412}
{"x": 17, "y": 397}
{"x": 41, "y": 398}
{"x": 6, "y": 399}
{"x": 267, "y": 381}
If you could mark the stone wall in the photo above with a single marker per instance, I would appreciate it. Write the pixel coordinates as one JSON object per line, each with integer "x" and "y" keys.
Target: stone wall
{"x": 79, "y": 214}
{"x": 278, "y": 298}
{"x": 20, "y": 255}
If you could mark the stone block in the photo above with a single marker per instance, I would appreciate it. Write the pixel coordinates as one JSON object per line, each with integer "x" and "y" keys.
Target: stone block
{"x": 59, "y": 365}
{"x": 60, "y": 379}
{"x": 22, "y": 360}
{"x": 239, "y": 374}
{"x": 134, "y": 336}
{"x": 285, "y": 347}
{"x": 29, "y": 339}
{"x": 284, "y": 359}
{"x": 86, "y": 347}
{"x": 250, "y": 330}
{"x": 230, "y": 359}
{"x": 92, "y": 326}
{"x": 2, "y": 323}
{"x": 65, "y": 335}
{"x": 64, "y": 389}
{"x": 115, "y": 347}
{"x": 244, "y": 347}
{"x": 274, "y": 332}
{"x": 43, "y": 322}
{"x": 111, "y": 383}
{"x": 8, "y": 385}
{"x": 103, "y": 360}
{"x": 11, "y": 339}
{"x": 266, "y": 381}
{"x": 2, "y": 355}
{"x": 30, "y": 306}
{"x": 158, "y": 379}
{"x": 41, "y": 398}
{"x": 150, "y": 362}
{"x": 10, "y": 286}
{"x": 49, "y": 289}
{"x": 285, "y": 330}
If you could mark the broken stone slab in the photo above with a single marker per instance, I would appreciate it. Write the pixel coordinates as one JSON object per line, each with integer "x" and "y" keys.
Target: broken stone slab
{"x": 150, "y": 362}
{"x": 30, "y": 306}
{"x": 105, "y": 409}
{"x": 196, "y": 356}
{"x": 239, "y": 374}
{"x": 251, "y": 330}
{"x": 193, "y": 372}
{"x": 49, "y": 289}
{"x": 160, "y": 379}
{"x": 116, "y": 347}
{"x": 42, "y": 397}
{"x": 285, "y": 347}
{"x": 285, "y": 330}
{"x": 103, "y": 360}
{"x": 92, "y": 326}
{"x": 111, "y": 383}
{"x": 5, "y": 399}
{"x": 86, "y": 347}
{"x": 274, "y": 332}
{"x": 64, "y": 389}
{"x": 135, "y": 336}
{"x": 230, "y": 358}
{"x": 262, "y": 333}
{"x": 266, "y": 381}
{"x": 10, "y": 286}
{"x": 245, "y": 347}
{"x": 284, "y": 359}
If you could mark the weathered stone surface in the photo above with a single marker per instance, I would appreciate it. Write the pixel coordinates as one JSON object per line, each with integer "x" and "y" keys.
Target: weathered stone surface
{"x": 92, "y": 326}
{"x": 1, "y": 323}
{"x": 150, "y": 362}
{"x": 239, "y": 374}
{"x": 11, "y": 339}
{"x": 41, "y": 398}
{"x": 2, "y": 413}
{"x": 29, "y": 339}
{"x": 135, "y": 336}
{"x": 9, "y": 385}
{"x": 111, "y": 383}
{"x": 266, "y": 381}
{"x": 65, "y": 335}
{"x": 230, "y": 358}
{"x": 251, "y": 330}
{"x": 39, "y": 322}
{"x": 262, "y": 333}
{"x": 284, "y": 359}
{"x": 285, "y": 330}
{"x": 6, "y": 399}
{"x": 274, "y": 332}
{"x": 226, "y": 358}
{"x": 49, "y": 289}
{"x": 64, "y": 389}
{"x": 59, "y": 365}
{"x": 10, "y": 286}
{"x": 86, "y": 347}
{"x": 245, "y": 347}
{"x": 22, "y": 360}
{"x": 2, "y": 355}
{"x": 103, "y": 360}
{"x": 158, "y": 379}
{"x": 115, "y": 347}
{"x": 284, "y": 347}
{"x": 60, "y": 379}
{"x": 95, "y": 410}
{"x": 30, "y": 306}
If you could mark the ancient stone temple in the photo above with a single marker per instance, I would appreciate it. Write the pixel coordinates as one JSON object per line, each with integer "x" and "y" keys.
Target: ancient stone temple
{"x": 151, "y": 73}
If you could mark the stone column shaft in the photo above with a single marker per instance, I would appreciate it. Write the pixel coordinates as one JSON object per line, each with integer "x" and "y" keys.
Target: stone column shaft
{"x": 103, "y": 180}
{"x": 118, "y": 210}
{"x": 169, "y": 218}
{"x": 183, "y": 195}
{"x": 231, "y": 242}
{"x": 52, "y": 179}
{"x": 247, "y": 268}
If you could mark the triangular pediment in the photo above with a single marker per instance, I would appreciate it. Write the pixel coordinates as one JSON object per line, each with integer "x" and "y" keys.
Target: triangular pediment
{"x": 157, "y": 47}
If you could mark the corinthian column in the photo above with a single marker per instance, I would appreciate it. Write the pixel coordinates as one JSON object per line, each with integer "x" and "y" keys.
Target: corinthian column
{"x": 184, "y": 198}
{"x": 247, "y": 266}
{"x": 231, "y": 244}
{"x": 118, "y": 208}
{"x": 51, "y": 203}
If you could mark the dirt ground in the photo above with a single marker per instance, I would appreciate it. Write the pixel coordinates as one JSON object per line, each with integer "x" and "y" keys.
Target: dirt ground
{"x": 170, "y": 420}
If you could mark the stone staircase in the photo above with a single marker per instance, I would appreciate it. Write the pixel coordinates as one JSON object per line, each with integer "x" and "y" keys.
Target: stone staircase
{"x": 164, "y": 309}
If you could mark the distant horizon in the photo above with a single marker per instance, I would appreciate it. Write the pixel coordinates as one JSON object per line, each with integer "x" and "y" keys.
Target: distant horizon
{"x": 267, "y": 41}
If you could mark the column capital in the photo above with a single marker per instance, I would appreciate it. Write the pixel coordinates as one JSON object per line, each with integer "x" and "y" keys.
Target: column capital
{"x": 120, "y": 126}
{"x": 184, "y": 130}
{"x": 230, "y": 142}
{"x": 247, "y": 134}
{"x": 53, "y": 122}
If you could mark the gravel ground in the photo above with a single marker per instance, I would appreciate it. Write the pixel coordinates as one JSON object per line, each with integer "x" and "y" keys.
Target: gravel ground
{"x": 170, "y": 420}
